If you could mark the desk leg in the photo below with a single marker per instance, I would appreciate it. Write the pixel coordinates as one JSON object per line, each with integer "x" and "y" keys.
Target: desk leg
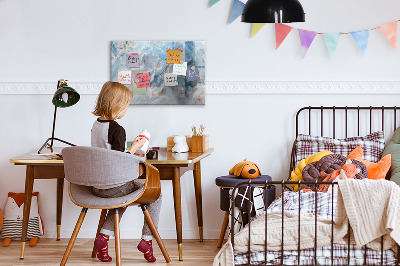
{"x": 197, "y": 189}
{"x": 27, "y": 206}
{"x": 176, "y": 182}
{"x": 60, "y": 190}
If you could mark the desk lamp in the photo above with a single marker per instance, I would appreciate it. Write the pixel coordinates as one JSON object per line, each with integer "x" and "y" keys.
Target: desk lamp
{"x": 273, "y": 11}
{"x": 64, "y": 96}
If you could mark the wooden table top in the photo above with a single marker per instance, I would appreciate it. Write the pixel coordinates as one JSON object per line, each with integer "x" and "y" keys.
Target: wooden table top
{"x": 164, "y": 157}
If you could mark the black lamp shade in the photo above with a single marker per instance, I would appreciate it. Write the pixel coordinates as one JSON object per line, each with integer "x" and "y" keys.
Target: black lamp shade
{"x": 273, "y": 11}
{"x": 65, "y": 96}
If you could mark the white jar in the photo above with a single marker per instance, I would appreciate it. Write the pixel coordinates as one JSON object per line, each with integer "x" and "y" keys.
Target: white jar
{"x": 144, "y": 134}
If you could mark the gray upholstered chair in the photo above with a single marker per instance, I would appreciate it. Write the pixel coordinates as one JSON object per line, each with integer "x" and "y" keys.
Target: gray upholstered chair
{"x": 85, "y": 167}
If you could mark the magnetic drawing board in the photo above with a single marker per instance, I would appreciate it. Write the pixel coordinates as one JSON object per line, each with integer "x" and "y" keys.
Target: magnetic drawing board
{"x": 160, "y": 72}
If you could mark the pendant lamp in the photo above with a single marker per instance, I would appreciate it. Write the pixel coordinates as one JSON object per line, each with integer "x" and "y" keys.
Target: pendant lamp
{"x": 272, "y": 11}
{"x": 64, "y": 96}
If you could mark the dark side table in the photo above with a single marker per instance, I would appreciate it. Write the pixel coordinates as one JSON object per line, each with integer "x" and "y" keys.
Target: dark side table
{"x": 228, "y": 182}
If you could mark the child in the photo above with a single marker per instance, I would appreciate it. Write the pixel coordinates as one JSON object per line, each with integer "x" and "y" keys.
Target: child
{"x": 112, "y": 103}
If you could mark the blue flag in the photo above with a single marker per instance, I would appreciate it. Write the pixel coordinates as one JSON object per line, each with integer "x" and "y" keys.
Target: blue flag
{"x": 361, "y": 38}
{"x": 237, "y": 9}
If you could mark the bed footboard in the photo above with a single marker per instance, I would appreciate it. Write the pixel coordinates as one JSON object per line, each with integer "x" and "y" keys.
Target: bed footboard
{"x": 383, "y": 258}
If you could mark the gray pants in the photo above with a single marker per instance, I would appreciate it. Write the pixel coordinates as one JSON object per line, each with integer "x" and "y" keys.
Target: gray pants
{"x": 154, "y": 208}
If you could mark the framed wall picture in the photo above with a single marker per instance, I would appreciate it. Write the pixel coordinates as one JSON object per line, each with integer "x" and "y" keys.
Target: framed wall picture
{"x": 161, "y": 72}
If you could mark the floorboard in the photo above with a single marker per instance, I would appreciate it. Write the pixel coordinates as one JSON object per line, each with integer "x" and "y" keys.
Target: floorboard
{"x": 49, "y": 252}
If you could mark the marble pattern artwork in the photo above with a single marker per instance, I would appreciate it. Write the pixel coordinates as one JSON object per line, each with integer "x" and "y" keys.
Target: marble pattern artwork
{"x": 152, "y": 56}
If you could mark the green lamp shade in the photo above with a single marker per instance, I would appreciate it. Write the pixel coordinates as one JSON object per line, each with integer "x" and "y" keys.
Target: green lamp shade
{"x": 65, "y": 96}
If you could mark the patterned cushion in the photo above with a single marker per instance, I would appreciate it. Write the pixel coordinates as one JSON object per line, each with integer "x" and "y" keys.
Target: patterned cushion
{"x": 372, "y": 144}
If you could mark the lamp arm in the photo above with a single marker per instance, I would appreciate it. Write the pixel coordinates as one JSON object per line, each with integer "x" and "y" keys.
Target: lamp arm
{"x": 55, "y": 115}
{"x": 54, "y": 126}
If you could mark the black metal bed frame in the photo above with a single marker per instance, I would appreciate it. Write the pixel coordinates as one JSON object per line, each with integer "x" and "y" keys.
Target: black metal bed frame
{"x": 283, "y": 184}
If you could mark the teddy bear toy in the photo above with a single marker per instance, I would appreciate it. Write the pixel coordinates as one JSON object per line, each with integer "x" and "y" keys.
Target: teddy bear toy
{"x": 180, "y": 144}
{"x": 245, "y": 169}
{"x": 13, "y": 215}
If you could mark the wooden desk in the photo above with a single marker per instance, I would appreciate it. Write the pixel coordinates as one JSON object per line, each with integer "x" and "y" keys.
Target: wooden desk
{"x": 171, "y": 167}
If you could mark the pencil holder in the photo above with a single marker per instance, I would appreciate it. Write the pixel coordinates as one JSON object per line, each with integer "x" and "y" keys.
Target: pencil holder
{"x": 200, "y": 143}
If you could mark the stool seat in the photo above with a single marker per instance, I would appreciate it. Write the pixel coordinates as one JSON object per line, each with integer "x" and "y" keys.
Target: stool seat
{"x": 230, "y": 181}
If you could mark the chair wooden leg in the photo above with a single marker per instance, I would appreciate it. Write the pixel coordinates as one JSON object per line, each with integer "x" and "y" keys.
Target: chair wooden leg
{"x": 73, "y": 237}
{"x": 223, "y": 229}
{"x": 117, "y": 239}
{"x": 101, "y": 222}
{"x": 154, "y": 230}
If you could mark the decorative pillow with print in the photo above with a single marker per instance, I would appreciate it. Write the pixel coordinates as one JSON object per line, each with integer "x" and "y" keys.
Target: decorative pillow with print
{"x": 372, "y": 145}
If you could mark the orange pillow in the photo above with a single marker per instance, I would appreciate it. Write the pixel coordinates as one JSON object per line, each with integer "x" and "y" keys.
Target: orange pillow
{"x": 375, "y": 170}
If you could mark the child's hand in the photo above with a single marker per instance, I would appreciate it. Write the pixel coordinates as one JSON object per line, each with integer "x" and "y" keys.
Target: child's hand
{"x": 142, "y": 155}
{"x": 137, "y": 144}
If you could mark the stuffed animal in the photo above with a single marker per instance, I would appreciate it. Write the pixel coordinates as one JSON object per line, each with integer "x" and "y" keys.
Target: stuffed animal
{"x": 245, "y": 169}
{"x": 180, "y": 144}
{"x": 296, "y": 174}
{"x": 348, "y": 170}
{"x": 1, "y": 220}
{"x": 13, "y": 215}
{"x": 375, "y": 170}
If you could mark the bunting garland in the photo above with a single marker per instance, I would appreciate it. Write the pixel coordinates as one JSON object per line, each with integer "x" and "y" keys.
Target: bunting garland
{"x": 256, "y": 27}
{"x": 237, "y": 9}
{"x": 361, "y": 37}
{"x": 389, "y": 30}
{"x": 332, "y": 41}
{"x": 213, "y": 2}
{"x": 306, "y": 39}
{"x": 281, "y": 31}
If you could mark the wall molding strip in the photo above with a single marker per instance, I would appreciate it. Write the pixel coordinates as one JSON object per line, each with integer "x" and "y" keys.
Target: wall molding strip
{"x": 231, "y": 87}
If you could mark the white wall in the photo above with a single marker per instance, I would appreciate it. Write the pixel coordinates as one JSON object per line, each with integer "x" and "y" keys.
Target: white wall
{"x": 42, "y": 41}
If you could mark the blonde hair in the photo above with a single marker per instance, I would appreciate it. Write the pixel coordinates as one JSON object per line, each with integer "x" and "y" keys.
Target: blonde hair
{"x": 112, "y": 99}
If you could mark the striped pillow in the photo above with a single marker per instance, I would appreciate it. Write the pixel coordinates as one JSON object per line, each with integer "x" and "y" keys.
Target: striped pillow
{"x": 372, "y": 145}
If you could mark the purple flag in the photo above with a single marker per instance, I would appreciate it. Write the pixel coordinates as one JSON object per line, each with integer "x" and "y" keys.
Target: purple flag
{"x": 306, "y": 39}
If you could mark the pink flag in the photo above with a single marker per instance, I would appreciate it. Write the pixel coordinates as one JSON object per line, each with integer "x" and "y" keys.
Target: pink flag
{"x": 306, "y": 39}
{"x": 389, "y": 30}
{"x": 281, "y": 31}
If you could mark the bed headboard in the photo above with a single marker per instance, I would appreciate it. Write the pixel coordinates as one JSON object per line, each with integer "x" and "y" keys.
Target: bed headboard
{"x": 344, "y": 121}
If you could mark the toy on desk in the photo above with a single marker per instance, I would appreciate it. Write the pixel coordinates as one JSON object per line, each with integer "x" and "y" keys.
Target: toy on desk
{"x": 245, "y": 169}
{"x": 144, "y": 134}
{"x": 13, "y": 215}
{"x": 180, "y": 144}
{"x": 1, "y": 219}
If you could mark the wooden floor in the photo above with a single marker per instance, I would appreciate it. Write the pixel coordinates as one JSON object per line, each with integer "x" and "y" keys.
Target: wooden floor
{"x": 50, "y": 252}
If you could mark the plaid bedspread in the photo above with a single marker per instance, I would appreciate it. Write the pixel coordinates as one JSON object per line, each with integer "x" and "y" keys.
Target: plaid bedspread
{"x": 307, "y": 202}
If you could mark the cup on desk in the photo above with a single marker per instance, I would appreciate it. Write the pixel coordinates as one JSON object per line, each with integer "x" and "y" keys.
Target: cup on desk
{"x": 152, "y": 155}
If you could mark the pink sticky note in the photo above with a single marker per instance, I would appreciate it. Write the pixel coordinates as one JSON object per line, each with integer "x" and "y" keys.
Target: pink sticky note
{"x": 125, "y": 77}
{"x": 144, "y": 80}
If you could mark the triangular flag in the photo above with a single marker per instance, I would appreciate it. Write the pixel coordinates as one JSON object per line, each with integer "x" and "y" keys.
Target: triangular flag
{"x": 213, "y": 2}
{"x": 332, "y": 41}
{"x": 390, "y": 32}
{"x": 255, "y": 28}
{"x": 361, "y": 37}
{"x": 281, "y": 31}
{"x": 237, "y": 9}
{"x": 306, "y": 39}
